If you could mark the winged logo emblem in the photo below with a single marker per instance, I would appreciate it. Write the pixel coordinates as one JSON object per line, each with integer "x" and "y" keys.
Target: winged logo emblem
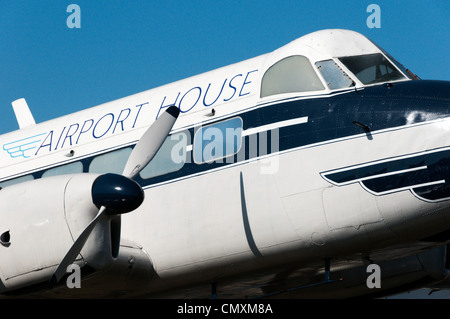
{"x": 425, "y": 174}
{"x": 23, "y": 147}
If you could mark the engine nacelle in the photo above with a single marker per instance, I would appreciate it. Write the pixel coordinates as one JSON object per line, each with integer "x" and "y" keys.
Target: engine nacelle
{"x": 39, "y": 222}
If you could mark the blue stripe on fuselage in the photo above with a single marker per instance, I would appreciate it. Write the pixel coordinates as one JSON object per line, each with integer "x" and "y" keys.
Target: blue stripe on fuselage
{"x": 330, "y": 118}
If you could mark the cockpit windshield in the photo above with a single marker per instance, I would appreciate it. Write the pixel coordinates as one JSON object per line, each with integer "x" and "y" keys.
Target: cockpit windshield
{"x": 372, "y": 68}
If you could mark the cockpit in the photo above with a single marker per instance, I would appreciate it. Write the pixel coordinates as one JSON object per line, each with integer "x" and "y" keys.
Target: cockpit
{"x": 372, "y": 68}
{"x": 328, "y": 60}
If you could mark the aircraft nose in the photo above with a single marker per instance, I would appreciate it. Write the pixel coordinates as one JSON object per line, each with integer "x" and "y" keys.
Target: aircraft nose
{"x": 117, "y": 193}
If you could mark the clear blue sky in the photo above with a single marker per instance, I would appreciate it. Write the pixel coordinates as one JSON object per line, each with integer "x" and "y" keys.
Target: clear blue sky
{"x": 125, "y": 47}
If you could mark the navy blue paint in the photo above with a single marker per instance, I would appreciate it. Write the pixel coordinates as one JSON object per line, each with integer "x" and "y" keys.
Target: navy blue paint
{"x": 437, "y": 169}
{"x": 117, "y": 193}
{"x": 332, "y": 117}
{"x": 377, "y": 107}
{"x": 376, "y": 169}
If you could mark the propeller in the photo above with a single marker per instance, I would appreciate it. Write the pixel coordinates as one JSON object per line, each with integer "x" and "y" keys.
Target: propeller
{"x": 118, "y": 194}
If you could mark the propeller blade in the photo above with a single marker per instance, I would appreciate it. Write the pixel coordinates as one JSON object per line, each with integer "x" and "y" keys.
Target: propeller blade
{"x": 118, "y": 193}
{"x": 150, "y": 142}
{"x": 75, "y": 249}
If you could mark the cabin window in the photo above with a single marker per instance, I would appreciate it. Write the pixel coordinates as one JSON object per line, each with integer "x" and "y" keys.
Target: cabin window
{"x": 289, "y": 75}
{"x": 113, "y": 162}
{"x": 169, "y": 158}
{"x": 16, "y": 181}
{"x": 72, "y": 168}
{"x": 218, "y": 141}
{"x": 372, "y": 68}
{"x": 334, "y": 76}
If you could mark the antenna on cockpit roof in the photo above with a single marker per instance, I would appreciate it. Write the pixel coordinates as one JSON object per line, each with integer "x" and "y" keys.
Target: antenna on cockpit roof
{"x": 23, "y": 113}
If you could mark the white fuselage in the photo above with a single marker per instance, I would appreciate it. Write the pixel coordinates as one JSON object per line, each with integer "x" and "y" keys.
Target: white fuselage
{"x": 273, "y": 207}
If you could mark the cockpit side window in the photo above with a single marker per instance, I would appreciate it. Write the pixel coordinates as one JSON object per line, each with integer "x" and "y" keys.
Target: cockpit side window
{"x": 372, "y": 68}
{"x": 289, "y": 75}
{"x": 335, "y": 77}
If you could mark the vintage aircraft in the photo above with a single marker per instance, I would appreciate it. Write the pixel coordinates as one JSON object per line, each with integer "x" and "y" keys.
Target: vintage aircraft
{"x": 282, "y": 175}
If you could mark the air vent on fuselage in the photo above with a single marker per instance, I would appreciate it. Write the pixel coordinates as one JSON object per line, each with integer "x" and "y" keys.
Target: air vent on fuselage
{"x": 5, "y": 238}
